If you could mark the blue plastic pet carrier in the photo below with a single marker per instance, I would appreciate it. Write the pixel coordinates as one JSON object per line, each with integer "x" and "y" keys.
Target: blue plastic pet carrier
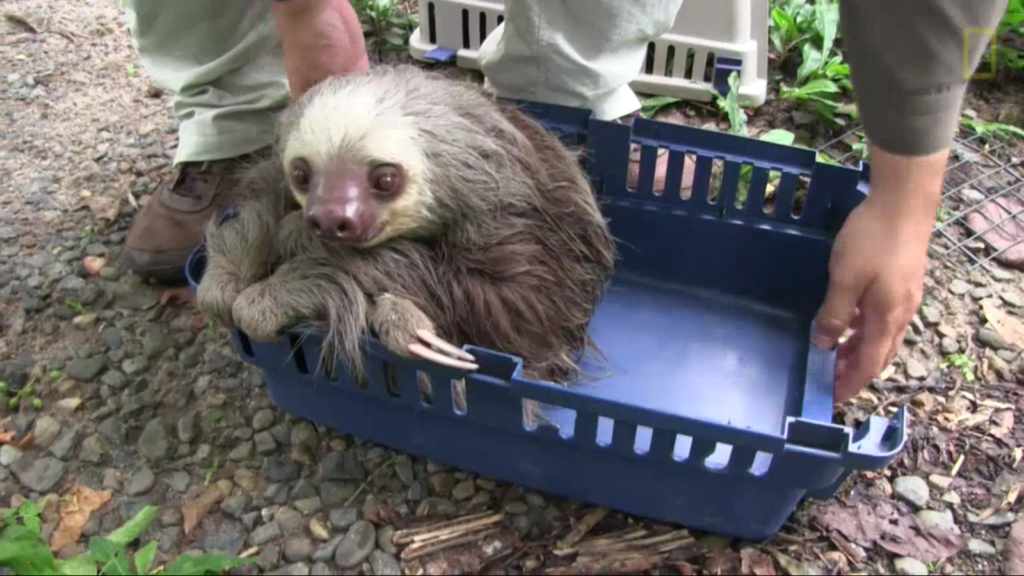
{"x": 711, "y": 409}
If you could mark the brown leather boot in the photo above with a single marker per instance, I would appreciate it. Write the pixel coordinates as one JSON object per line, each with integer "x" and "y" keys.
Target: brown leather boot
{"x": 171, "y": 223}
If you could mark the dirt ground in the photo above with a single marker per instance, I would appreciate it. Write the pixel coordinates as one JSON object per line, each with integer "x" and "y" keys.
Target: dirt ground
{"x": 139, "y": 399}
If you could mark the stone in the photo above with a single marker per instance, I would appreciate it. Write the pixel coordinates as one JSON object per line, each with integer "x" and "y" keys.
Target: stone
{"x": 264, "y": 534}
{"x": 991, "y": 339}
{"x": 241, "y": 452}
{"x": 915, "y": 369}
{"x": 383, "y": 563}
{"x": 9, "y": 454}
{"x": 298, "y": 548}
{"x": 263, "y": 420}
{"x": 356, "y": 546}
{"x": 1001, "y": 518}
{"x": 941, "y": 520}
{"x": 959, "y": 287}
{"x": 153, "y": 442}
{"x": 912, "y": 489}
{"x": 40, "y": 474}
{"x": 326, "y": 550}
{"x": 265, "y": 444}
{"x": 343, "y": 517}
{"x": 319, "y": 530}
{"x": 949, "y": 345}
{"x": 385, "y": 537}
{"x": 980, "y": 547}
{"x": 940, "y": 482}
{"x": 140, "y": 482}
{"x": 46, "y": 431}
{"x": 342, "y": 466}
{"x": 910, "y": 567}
{"x": 464, "y": 490}
{"x": 86, "y": 369}
{"x": 308, "y": 505}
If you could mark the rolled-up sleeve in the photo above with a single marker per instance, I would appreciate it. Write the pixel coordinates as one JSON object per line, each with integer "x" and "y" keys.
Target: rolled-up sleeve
{"x": 910, "y": 62}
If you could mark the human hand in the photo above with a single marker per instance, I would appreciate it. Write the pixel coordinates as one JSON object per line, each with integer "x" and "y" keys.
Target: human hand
{"x": 877, "y": 268}
{"x": 319, "y": 38}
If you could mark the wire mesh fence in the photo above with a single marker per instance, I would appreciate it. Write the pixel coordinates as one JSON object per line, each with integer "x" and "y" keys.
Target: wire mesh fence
{"x": 981, "y": 221}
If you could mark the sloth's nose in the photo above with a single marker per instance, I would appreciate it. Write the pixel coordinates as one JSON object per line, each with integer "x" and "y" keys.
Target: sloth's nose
{"x": 334, "y": 224}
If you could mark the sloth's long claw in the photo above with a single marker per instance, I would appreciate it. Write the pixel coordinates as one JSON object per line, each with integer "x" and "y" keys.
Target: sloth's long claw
{"x": 462, "y": 360}
{"x": 453, "y": 350}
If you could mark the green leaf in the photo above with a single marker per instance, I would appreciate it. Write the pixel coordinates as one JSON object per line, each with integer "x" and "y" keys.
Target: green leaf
{"x": 133, "y": 528}
{"x": 29, "y": 508}
{"x": 826, "y": 23}
{"x": 24, "y": 552}
{"x": 652, "y": 106}
{"x": 33, "y": 523}
{"x": 779, "y": 136}
{"x": 812, "y": 61}
{"x": 199, "y": 564}
{"x": 144, "y": 557}
{"x": 110, "y": 555}
{"x": 82, "y": 565}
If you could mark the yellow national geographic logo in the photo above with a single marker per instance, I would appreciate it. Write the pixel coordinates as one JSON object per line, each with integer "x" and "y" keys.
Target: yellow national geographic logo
{"x": 970, "y": 74}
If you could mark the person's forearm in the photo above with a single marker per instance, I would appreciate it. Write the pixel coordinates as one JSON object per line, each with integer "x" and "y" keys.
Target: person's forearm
{"x": 908, "y": 66}
{"x": 292, "y": 19}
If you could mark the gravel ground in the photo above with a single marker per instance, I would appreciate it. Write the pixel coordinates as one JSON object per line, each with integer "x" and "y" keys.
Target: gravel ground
{"x": 141, "y": 399}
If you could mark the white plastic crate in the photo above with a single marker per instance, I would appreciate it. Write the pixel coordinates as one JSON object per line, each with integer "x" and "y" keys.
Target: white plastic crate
{"x": 707, "y": 34}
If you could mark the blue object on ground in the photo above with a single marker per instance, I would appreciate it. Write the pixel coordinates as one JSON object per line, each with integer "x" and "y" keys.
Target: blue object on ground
{"x": 712, "y": 410}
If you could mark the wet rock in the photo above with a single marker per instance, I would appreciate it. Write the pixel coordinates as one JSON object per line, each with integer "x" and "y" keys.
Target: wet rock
{"x": 356, "y": 546}
{"x": 87, "y": 369}
{"x": 912, "y": 489}
{"x": 140, "y": 482}
{"x": 297, "y": 569}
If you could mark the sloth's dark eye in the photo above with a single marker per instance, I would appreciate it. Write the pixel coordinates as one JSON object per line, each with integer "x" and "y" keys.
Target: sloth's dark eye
{"x": 301, "y": 174}
{"x": 385, "y": 179}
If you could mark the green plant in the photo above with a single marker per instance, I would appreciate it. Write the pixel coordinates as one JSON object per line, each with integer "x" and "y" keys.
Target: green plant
{"x": 1010, "y": 31}
{"x": 989, "y": 130}
{"x": 25, "y": 392}
{"x": 961, "y": 362}
{"x": 821, "y": 77}
{"x": 24, "y": 551}
{"x": 385, "y": 26}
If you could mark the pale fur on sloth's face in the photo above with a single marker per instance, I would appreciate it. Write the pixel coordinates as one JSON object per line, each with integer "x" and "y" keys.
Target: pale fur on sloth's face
{"x": 359, "y": 121}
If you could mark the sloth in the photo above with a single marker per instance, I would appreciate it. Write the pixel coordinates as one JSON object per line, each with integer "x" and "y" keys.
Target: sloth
{"x": 421, "y": 210}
